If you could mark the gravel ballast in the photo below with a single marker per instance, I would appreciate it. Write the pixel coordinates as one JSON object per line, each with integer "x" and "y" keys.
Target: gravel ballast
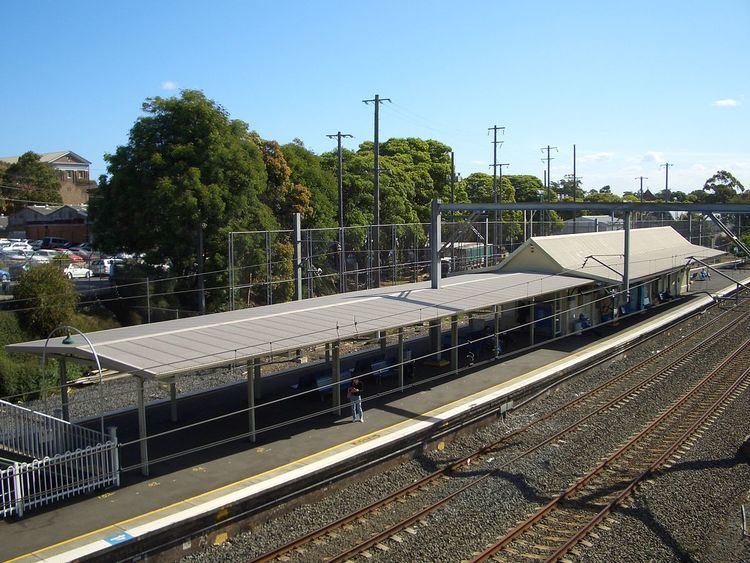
{"x": 454, "y": 532}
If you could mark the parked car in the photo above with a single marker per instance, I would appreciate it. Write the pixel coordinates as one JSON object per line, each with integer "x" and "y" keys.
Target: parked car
{"x": 105, "y": 266}
{"x": 36, "y": 244}
{"x": 70, "y": 255}
{"x": 18, "y": 245}
{"x": 74, "y": 271}
{"x": 83, "y": 249}
{"x": 54, "y": 242}
{"x": 43, "y": 256}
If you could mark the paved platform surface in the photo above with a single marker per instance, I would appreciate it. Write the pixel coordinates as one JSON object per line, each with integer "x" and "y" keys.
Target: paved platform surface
{"x": 189, "y": 487}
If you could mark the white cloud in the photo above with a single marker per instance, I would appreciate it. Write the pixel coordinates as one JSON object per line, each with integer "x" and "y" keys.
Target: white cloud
{"x": 169, "y": 85}
{"x": 597, "y": 157}
{"x": 653, "y": 156}
{"x": 478, "y": 162}
{"x": 698, "y": 168}
{"x": 726, "y": 103}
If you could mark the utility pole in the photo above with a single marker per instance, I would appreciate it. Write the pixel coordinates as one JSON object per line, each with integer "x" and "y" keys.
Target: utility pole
{"x": 547, "y": 178}
{"x": 342, "y": 253}
{"x": 452, "y": 237}
{"x": 377, "y": 100}
{"x": 494, "y": 166}
{"x": 500, "y": 200}
{"x": 666, "y": 166}
{"x": 575, "y": 187}
{"x": 340, "y": 136}
{"x": 640, "y": 192}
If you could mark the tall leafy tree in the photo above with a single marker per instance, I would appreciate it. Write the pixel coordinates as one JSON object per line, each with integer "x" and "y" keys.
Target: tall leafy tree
{"x": 187, "y": 168}
{"x": 307, "y": 170}
{"x": 29, "y": 180}
{"x": 722, "y": 187}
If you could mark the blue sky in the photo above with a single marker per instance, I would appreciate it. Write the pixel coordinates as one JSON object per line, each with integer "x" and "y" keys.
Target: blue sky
{"x": 632, "y": 84}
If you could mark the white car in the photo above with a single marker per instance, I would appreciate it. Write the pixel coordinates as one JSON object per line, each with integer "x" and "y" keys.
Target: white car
{"x": 44, "y": 256}
{"x": 73, "y": 271}
{"x": 105, "y": 266}
{"x": 18, "y": 245}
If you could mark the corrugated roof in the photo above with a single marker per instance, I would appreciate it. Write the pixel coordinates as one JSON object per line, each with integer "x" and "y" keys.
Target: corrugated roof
{"x": 599, "y": 256}
{"x": 183, "y": 345}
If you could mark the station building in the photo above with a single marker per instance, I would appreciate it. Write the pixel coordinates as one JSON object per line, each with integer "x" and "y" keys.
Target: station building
{"x": 548, "y": 288}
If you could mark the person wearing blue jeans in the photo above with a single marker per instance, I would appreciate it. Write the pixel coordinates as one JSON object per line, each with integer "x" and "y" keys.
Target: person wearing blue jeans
{"x": 355, "y": 396}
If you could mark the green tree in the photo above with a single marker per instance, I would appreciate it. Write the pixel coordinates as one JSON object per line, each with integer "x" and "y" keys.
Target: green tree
{"x": 307, "y": 170}
{"x": 724, "y": 186}
{"x": 187, "y": 166}
{"x": 29, "y": 180}
{"x": 47, "y": 300}
{"x": 526, "y": 187}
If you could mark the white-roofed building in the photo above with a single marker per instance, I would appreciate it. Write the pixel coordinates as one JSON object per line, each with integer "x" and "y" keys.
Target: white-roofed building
{"x": 660, "y": 259}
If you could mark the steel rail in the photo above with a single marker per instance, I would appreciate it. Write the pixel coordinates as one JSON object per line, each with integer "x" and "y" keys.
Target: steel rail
{"x": 652, "y": 468}
{"x": 550, "y": 507}
{"x": 425, "y": 481}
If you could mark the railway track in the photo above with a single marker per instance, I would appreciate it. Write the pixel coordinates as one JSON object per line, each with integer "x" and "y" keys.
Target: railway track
{"x": 447, "y": 483}
{"x": 557, "y": 527}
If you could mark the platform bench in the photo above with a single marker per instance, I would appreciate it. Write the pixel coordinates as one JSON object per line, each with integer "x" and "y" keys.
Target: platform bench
{"x": 324, "y": 383}
{"x": 382, "y": 369}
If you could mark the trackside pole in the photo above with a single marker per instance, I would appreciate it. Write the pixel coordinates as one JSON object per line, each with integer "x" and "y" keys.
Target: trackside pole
{"x": 142, "y": 431}
{"x": 173, "y": 400}
{"x": 454, "y": 343}
{"x": 64, "y": 389}
{"x": 401, "y": 357}
{"x": 336, "y": 377}
{"x": 251, "y": 400}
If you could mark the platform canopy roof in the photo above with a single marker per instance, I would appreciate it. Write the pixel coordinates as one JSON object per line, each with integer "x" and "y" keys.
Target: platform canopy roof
{"x": 600, "y": 256}
{"x": 172, "y": 347}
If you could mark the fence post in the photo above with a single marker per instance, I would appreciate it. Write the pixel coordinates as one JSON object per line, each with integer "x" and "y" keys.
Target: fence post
{"x": 64, "y": 389}
{"x": 112, "y": 431}
{"x": 230, "y": 269}
{"x": 297, "y": 242}
{"x": 17, "y": 491}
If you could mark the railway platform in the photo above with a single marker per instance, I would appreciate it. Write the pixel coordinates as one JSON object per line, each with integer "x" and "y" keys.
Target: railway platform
{"x": 210, "y": 488}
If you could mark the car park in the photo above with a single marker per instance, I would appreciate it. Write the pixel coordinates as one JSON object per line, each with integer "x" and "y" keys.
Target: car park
{"x": 74, "y": 271}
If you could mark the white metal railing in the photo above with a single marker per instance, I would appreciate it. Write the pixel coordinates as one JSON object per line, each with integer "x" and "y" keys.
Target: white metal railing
{"x": 37, "y": 435}
{"x": 24, "y": 486}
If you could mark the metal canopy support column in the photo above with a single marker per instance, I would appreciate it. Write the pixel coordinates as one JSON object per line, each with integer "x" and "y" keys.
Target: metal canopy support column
{"x": 173, "y": 399}
{"x": 383, "y": 339}
{"x": 497, "y": 310}
{"x": 454, "y": 343}
{"x": 336, "y": 377}
{"x": 435, "y": 244}
{"x": 64, "y": 389}
{"x": 142, "y": 431}
{"x": 626, "y": 264}
{"x": 297, "y": 242}
{"x": 256, "y": 379}
{"x": 436, "y": 337}
{"x": 251, "y": 401}
{"x": 533, "y": 321}
{"x": 401, "y": 358}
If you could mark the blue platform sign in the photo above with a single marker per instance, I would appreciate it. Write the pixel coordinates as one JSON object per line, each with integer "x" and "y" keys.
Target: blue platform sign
{"x": 119, "y": 538}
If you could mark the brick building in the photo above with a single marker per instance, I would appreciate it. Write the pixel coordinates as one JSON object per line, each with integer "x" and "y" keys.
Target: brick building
{"x": 73, "y": 171}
